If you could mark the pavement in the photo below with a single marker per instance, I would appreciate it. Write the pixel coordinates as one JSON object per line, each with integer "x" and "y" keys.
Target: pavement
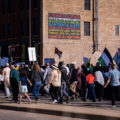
{"x": 75, "y": 108}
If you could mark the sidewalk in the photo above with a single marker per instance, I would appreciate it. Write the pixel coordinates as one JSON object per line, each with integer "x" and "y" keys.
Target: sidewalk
{"x": 76, "y": 109}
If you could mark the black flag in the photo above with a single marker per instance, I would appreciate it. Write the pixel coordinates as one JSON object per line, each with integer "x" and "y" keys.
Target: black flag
{"x": 58, "y": 52}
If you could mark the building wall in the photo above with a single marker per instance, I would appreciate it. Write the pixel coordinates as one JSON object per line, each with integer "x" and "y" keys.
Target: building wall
{"x": 73, "y": 50}
{"x": 76, "y": 50}
{"x": 109, "y": 17}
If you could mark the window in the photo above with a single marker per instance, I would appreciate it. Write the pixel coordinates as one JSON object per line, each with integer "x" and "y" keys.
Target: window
{"x": 116, "y": 30}
{"x": 35, "y": 3}
{"x": 3, "y": 6}
{"x": 36, "y": 26}
{"x": 86, "y": 28}
{"x": 27, "y": 4}
{"x": 3, "y": 30}
{"x": 9, "y": 30}
{"x": 27, "y": 27}
{"x": 23, "y": 4}
{"x": 9, "y": 6}
{"x": 87, "y": 4}
{"x": 23, "y": 31}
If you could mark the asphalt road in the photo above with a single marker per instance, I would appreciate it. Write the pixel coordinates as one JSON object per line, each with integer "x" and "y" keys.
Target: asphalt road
{"x": 15, "y": 115}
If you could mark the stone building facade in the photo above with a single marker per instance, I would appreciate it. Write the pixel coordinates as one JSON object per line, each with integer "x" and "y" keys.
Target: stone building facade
{"x": 109, "y": 22}
{"x": 96, "y": 23}
{"x": 104, "y": 32}
{"x": 73, "y": 49}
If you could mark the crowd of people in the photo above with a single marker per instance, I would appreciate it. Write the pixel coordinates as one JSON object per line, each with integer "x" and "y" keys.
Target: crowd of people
{"x": 62, "y": 82}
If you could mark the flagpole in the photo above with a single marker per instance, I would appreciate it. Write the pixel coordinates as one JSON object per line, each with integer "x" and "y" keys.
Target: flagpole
{"x": 29, "y": 23}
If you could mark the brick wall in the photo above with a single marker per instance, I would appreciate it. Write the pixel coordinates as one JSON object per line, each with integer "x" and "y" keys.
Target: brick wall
{"x": 76, "y": 50}
{"x": 73, "y": 50}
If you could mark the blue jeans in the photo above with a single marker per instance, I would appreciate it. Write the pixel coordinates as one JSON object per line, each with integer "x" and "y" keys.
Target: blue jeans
{"x": 91, "y": 91}
{"x": 63, "y": 89}
{"x": 36, "y": 88}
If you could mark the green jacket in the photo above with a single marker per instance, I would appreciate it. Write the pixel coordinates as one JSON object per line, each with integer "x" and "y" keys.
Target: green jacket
{"x": 14, "y": 74}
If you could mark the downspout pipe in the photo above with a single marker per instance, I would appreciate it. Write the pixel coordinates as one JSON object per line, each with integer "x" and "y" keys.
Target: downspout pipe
{"x": 93, "y": 22}
{"x": 97, "y": 27}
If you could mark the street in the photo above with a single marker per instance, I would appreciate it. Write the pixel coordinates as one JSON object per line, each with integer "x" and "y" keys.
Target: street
{"x": 44, "y": 110}
{"x": 15, "y": 115}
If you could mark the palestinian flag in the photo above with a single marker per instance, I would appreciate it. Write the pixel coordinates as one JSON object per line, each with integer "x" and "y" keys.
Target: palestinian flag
{"x": 105, "y": 58}
{"x": 58, "y": 52}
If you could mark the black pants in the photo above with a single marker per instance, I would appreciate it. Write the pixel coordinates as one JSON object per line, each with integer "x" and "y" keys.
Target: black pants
{"x": 15, "y": 89}
{"x": 54, "y": 92}
{"x": 114, "y": 90}
{"x": 99, "y": 90}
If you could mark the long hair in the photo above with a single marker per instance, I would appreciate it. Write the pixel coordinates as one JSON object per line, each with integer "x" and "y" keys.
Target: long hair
{"x": 1, "y": 71}
{"x": 23, "y": 74}
{"x": 36, "y": 67}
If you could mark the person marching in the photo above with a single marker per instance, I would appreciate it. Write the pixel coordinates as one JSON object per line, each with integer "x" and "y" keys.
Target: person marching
{"x": 90, "y": 81}
{"x": 113, "y": 79}
{"x": 37, "y": 80}
{"x": 55, "y": 83}
{"x": 23, "y": 85}
{"x": 14, "y": 80}
{"x": 6, "y": 75}
{"x": 63, "y": 82}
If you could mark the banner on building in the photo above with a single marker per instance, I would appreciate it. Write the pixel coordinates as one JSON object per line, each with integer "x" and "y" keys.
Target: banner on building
{"x": 63, "y": 26}
{"x": 32, "y": 53}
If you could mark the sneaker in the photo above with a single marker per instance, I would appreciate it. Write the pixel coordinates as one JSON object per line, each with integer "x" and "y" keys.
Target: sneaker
{"x": 83, "y": 99}
{"x": 55, "y": 101}
{"x": 68, "y": 99}
{"x": 113, "y": 106}
{"x": 15, "y": 101}
{"x": 100, "y": 100}
{"x": 94, "y": 100}
{"x": 30, "y": 101}
{"x": 36, "y": 99}
{"x": 21, "y": 102}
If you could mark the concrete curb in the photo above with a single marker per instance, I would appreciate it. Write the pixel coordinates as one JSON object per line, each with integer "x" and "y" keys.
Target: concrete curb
{"x": 59, "y": 113}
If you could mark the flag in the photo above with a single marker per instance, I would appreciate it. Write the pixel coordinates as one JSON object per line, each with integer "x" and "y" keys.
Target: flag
{"x": 58, "y": 52}
{"x": 105, "y": 58}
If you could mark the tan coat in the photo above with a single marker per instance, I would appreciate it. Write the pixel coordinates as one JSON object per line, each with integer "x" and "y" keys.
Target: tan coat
{"x": 55, "y": 79}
